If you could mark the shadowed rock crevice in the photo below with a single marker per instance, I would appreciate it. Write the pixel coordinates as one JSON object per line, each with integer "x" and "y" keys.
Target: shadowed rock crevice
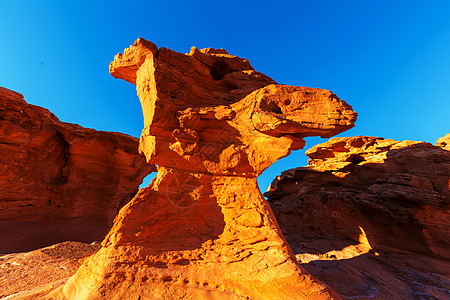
{"x": 56, "y": 161}
{"x": 219, "y": 70}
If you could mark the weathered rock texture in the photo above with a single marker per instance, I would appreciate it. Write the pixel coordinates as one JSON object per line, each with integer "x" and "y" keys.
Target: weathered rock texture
{"x": 41, "y": 269}
{"x": 370, "y": 217}
{"x": 444, "y": 142}
{"x": 202, "y": 229}
{"x": 60, "y": 181}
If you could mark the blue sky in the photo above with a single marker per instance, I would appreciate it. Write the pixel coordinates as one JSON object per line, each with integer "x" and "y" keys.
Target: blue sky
{"x": 390, "y": 60}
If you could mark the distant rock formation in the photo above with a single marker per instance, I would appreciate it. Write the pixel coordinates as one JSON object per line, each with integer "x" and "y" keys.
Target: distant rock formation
{"x": 202, "y": 229}
{"x": 370, "y": 216}
{"x": 60, "y": 181}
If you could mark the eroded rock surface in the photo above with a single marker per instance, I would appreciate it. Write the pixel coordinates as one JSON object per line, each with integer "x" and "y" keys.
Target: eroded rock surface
{"x": 202, "y": 229}
{"x": 444, "y": 142}
{"x": 41, "y": 269}
{"x": 60, "y": 181}
{"x": 370, "y": 217}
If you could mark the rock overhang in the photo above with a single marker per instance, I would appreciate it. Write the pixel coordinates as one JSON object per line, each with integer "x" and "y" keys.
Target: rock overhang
{"x": 206, "y": 108}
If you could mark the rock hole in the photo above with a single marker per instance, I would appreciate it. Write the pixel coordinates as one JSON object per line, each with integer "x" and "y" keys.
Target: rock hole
{"x": 355, "y": 159}
{"x": 219, "y": 70}
{"x": 357, "y": 143}
{"x": 277, "y": 110}
{"x": 147, "y": 180}
{"x": 272, "y": 107}
{"x": 161, "y": 265}
{"x": 182, "y": 262}
{"x": 167, "y": 278}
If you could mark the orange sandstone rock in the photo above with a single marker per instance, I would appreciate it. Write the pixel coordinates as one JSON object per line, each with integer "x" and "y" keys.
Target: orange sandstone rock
{"x": 202, "y": 229}
{"x": 60, "y": 181}
{"x": 42, "y": 269}
{"x": 211, "y": 112}
{"x": 370, "y": 217}
{"x": 444, "y": 142}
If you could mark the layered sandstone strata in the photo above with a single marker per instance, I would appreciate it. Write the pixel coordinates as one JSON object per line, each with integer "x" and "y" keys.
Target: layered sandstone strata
{"x": 60, "y": 181}
{"x": 202, "y": 229}
{"x": 370, "y": 216}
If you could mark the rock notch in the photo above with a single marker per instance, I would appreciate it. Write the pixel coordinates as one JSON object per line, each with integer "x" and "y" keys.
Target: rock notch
{"x": 60, "y": 181}
{"x": 202, "y": 229}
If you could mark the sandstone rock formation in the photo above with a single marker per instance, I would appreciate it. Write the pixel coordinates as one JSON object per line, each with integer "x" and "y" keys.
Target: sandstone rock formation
{"x": 60, "y": 181}
{"x": 202, "y": 229}
{"x": 22, "y": 273}
{"x": 444, "y": 142}
{"x": 370, "y": 217}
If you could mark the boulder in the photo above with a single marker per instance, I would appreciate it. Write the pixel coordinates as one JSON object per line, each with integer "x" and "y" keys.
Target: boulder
{"x": 370, "y": 216}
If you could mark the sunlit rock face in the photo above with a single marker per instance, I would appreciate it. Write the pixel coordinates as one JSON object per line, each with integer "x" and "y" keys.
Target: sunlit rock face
{"x": 211, "y": 112}
{"x": 41, "y": 269}
{"x": 367, "y": 209}
{"x": 202, "y": 229}
{"x": 60, "y": 181}
{"x": 444, "y": 142}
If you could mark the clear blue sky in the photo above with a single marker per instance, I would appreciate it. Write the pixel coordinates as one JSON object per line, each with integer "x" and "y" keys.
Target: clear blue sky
{"x": 390, "y": 60}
